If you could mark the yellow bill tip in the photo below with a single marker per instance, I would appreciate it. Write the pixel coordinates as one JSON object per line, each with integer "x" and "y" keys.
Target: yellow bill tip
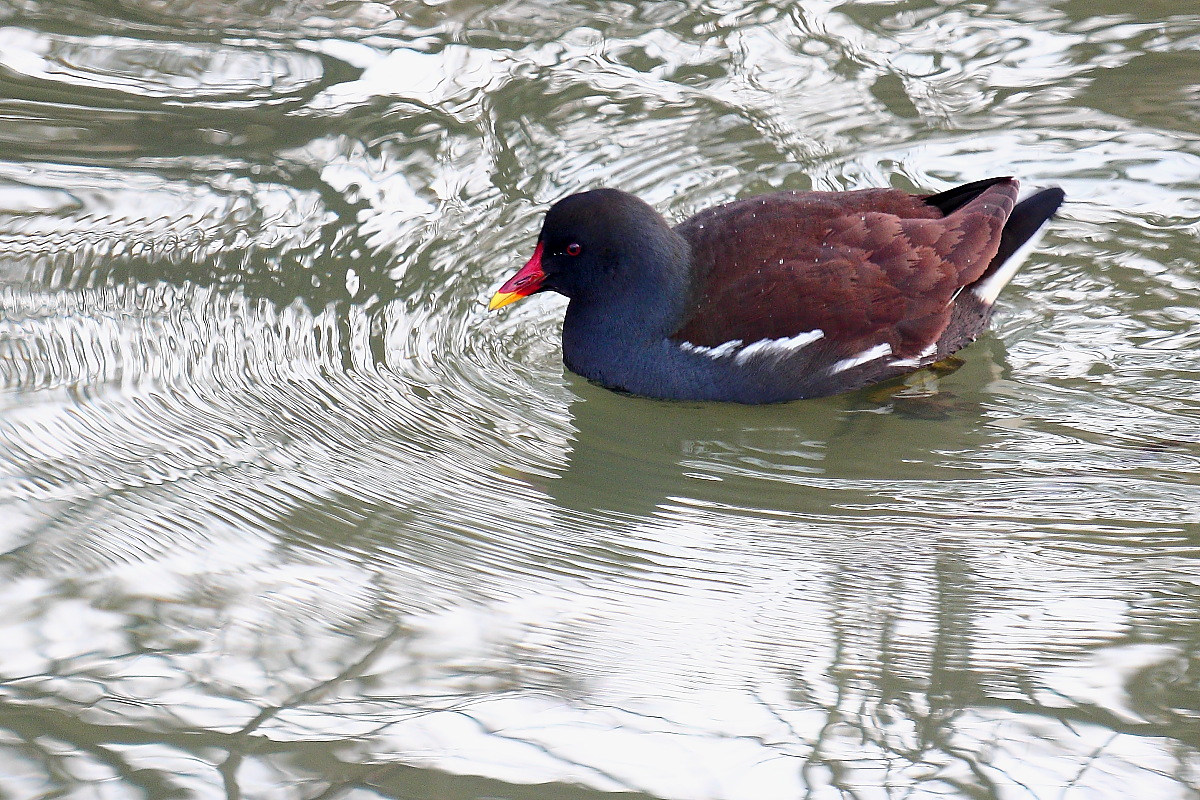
{"x": 501, "y": 299}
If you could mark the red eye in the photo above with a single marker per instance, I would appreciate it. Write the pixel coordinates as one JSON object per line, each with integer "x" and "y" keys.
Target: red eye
{"x": 574, "y": 249}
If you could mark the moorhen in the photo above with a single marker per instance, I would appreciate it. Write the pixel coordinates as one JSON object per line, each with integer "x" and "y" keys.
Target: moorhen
{"x": 779, "y": 297}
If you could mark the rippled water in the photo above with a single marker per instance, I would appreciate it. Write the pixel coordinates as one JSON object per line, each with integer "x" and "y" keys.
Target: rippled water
{"x": 285, "y": 513}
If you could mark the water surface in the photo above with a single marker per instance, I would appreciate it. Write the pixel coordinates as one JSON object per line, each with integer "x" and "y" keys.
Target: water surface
{"x": 285, "y": 514}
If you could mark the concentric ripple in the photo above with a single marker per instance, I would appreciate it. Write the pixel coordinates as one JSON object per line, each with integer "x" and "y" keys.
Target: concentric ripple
{"x": 147, "y": 69}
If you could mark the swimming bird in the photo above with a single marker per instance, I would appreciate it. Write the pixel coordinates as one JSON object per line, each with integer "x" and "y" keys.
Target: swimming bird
{"x": 778, "y": 297}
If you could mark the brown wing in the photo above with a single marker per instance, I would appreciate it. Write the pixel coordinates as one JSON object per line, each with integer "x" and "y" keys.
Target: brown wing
{"x": 867, "y": 267}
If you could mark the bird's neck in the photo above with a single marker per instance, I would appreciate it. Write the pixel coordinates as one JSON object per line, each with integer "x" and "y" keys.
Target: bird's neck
{"x": 644, "y": 304}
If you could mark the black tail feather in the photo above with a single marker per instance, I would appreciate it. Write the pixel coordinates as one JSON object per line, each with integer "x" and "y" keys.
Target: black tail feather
{"x": 1027, "y": 217}
{"x": 951, "y": 200}
{"x": 1021, "y": 228}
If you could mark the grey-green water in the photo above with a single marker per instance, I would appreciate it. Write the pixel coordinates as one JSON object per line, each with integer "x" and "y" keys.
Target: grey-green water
{"x": 285, "y": 514}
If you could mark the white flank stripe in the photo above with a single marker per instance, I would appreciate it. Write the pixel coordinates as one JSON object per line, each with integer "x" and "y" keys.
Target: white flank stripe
{"x": 720, "y": 351}
{"x": 779, "y": 347}
{"x": 916, "y": 361}
{"x": 878, "y": 351}
{"x": 988, "y": 289}
{"x": 775, "y": 347}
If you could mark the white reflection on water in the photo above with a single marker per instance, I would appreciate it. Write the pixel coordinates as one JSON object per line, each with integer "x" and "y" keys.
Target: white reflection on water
{"x": 280, "y": 506}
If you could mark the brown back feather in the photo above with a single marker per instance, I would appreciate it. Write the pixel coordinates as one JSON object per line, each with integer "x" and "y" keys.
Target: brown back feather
{"x": 866, "y": 267}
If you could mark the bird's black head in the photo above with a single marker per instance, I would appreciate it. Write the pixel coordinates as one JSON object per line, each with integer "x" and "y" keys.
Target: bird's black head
{"x": 593, "y": 244}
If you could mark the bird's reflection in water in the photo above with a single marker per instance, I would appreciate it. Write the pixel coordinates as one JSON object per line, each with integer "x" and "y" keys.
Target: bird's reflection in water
{"x": 630, "y": 455}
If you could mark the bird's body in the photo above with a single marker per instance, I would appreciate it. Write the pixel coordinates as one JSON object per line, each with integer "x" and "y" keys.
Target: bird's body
{"x": 779, "y": 297}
